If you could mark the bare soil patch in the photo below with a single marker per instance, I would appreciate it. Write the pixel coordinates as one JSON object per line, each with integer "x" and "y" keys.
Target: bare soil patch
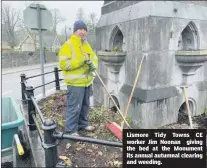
{"x": 84, "y": 154}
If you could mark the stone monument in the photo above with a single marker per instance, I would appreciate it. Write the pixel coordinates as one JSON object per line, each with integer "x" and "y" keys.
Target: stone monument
{"x": 173, "y": 36}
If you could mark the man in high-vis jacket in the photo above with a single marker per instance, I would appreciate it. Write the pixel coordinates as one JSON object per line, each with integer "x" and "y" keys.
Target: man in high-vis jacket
{"x": 77, "y": 61}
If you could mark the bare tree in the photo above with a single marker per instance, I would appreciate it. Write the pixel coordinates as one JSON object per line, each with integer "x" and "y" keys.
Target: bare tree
{"x": 92, "y": 21}
{"x": 80, "y": 14}
{"x": 57, "y": 18}
{"x": 10, "y": 19}
{"x": 91, "y": 24}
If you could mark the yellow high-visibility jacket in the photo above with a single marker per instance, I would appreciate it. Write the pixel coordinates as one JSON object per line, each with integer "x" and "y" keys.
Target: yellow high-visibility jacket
{"x": 72, "y": 62}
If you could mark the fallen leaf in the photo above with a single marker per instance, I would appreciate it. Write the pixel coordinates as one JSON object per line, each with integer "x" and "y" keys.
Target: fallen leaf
{"x": 89, "y": 150}
{"x": 95, "y": 146}
{"x": 68, "y": 145}
{"x": 100, "y": 153}
{"x": 117, "y": 163}
{"x": 60, "y": 122}
{"x": 91, "y": 134}
{"x": 110, "y": 163}
{"x": 78, "y": 148}
{"x": 83, "y": 145}
{"x": 66, "y": 160}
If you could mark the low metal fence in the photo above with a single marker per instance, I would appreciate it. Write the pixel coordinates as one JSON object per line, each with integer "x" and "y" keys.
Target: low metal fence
{"x": 50, "y": 138}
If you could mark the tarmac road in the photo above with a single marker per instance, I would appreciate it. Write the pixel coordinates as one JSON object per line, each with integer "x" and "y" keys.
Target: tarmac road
{"x": 11, "y": 80}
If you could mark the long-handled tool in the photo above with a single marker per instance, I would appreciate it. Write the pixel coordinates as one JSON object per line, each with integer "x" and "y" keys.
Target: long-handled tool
{"x": 132, "y": 92}
{"x": 96, "y": 73}
{"x": 115, "y": 129}
{"x": 112, "y": 99}
{"x": 188, "y": 107}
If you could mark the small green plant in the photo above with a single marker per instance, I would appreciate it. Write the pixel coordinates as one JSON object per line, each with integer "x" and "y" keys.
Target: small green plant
{"x": 51, "y": 101}
{"x": 97, "y": 115}
{"x": 129, "y": 120}
{"x": 116, "y": 49}
{"x": 60, "y": 122}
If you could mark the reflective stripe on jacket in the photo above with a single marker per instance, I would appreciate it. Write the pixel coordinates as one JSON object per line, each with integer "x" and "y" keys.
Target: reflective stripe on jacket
{"x": 71, "y": 61}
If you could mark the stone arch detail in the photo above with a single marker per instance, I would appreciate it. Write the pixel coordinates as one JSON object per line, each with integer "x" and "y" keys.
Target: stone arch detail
{"x": 189, "y": 38}
{"x": 116, "y": 39}
{"x": 111, "y": 104}
{"x": 182, "y": 113}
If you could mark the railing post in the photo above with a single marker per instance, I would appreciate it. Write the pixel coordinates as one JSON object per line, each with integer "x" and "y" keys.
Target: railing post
{"x": 57, "y": 80}
{"x": 50, "y": 143}
{"x": 31, "y": 108}
{"x": 23, "y": 87}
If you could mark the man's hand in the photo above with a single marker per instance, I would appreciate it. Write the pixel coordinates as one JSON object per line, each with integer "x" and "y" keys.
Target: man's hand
{"x": 90, "y": 64}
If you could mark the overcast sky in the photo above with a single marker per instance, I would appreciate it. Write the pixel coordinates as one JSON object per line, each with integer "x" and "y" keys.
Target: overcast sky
{"x": 68, "y": 9}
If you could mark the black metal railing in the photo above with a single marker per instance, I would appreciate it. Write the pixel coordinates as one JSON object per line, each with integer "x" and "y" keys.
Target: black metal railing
{"x": 51, "y": 136}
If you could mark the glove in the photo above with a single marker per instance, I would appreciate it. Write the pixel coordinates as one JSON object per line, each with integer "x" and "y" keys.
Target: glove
{"x": 90, "y": 64}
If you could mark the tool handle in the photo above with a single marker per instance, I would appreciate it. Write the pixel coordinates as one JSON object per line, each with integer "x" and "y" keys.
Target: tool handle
{"x": 19, "y": 145}
{"x": 85, "y": 54}
{"x": 112, "y": 99}
{"x": 87, "y": 58}
{"x": 188, "y": 108}
{"x": 134, "y": 86}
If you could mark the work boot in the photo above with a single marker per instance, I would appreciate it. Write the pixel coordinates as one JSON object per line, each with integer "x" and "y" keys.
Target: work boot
{"x": 89, "y": 128}
{"x": 73, "y": 134}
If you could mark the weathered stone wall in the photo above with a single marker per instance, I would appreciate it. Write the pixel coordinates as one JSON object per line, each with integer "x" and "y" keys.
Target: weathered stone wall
{"x": 152, "y": 36}
{"x": 24, "y": 58}
{"x": 154, "y": 32}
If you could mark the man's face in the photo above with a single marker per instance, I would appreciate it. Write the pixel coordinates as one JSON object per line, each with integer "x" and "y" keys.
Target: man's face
{"x": 81, "y": 33}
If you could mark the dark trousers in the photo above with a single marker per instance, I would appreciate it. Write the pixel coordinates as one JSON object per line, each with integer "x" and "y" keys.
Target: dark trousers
{"x": 77, "y": 108}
